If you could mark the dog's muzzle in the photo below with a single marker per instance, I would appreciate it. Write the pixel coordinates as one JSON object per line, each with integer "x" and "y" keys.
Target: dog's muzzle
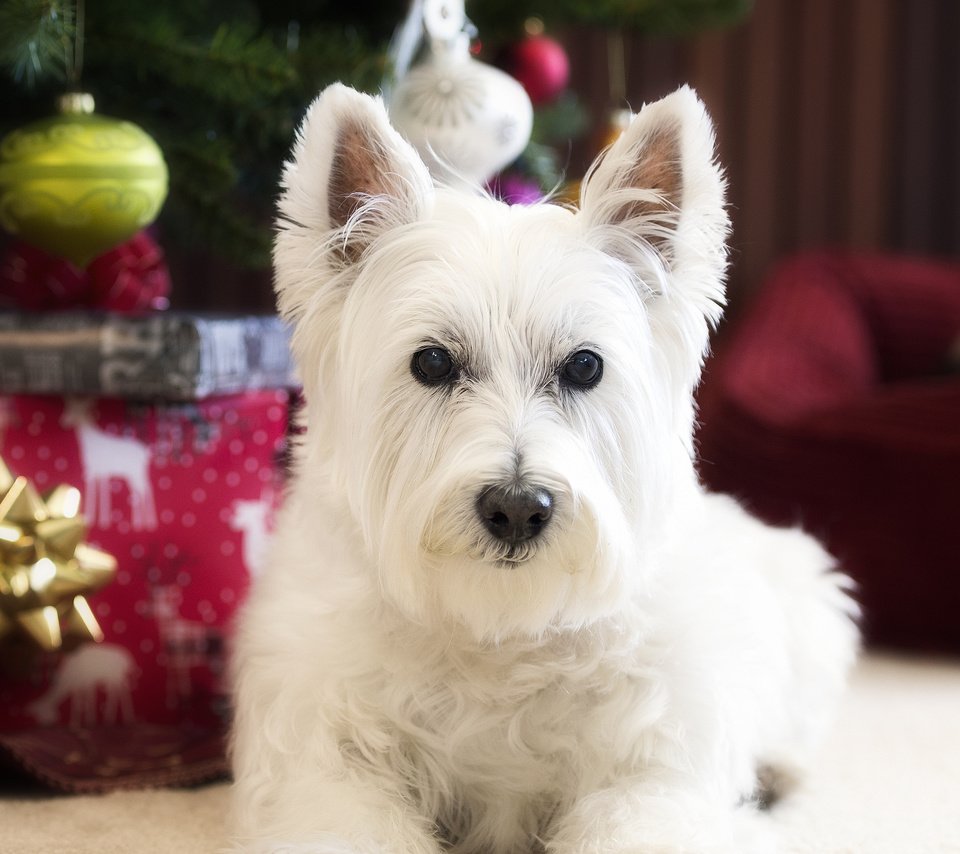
{"x": 515, "y": 514}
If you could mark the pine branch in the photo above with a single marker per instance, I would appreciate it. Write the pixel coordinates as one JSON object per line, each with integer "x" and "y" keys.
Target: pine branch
{"x": 200, "y": 161}
{"x": 34, "y": 35}
{"x": 233, "y": 67}
{"x": 325, "y": 56}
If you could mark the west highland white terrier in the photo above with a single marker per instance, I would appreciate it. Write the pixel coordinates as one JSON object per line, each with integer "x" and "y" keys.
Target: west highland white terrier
{"x": 502, "y": 616}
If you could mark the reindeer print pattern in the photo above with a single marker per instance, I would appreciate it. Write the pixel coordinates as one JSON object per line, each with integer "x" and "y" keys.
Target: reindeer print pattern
{"x": 106, "y": 457}
{"x": 95, "y": 681}
{"x": 183, "y": 500}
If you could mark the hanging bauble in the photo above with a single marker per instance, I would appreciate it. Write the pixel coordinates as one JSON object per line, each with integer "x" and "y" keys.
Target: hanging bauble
{"x": 78, "y": 184}
{"x": 466, "y": 119}
{"x": 541, "y": 65}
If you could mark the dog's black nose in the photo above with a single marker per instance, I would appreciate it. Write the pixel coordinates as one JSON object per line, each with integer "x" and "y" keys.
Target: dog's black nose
{"x": 515, "y": 514}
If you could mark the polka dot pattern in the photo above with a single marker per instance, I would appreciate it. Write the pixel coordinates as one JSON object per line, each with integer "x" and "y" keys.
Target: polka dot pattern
{"x": 182, "y": 535}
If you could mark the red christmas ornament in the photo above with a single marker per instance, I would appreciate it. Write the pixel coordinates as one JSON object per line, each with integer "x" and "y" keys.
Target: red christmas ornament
{"x": 541, "y": 65}
{"x": 131, "y": 277}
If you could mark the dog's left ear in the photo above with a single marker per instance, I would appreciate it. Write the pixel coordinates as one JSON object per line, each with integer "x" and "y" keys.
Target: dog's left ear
{"x": 655, "y": 199}
{"x": 350, "y": 179}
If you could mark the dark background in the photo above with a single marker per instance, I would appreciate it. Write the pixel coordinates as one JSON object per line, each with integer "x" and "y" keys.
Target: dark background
{"x": 838, "y": 122}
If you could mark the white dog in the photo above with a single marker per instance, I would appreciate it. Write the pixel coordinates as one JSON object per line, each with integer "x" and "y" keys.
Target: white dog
{"x": 502, "y": 615}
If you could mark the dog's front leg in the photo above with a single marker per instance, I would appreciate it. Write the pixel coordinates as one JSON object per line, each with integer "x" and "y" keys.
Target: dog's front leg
{"x": 660, "y": 814}
{"x": 310, "y": 813}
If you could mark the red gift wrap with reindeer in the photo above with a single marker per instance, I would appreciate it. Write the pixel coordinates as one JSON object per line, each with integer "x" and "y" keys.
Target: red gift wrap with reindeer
{"x": 173, "y": 428}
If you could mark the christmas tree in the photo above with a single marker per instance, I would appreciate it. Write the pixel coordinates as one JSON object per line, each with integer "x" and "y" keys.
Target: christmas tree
{"x": 221, "y": 85}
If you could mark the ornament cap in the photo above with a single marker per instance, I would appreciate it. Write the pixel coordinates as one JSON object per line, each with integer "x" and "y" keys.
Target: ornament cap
{"x": 75, "y": 103}
{"x": 443, "y": 19}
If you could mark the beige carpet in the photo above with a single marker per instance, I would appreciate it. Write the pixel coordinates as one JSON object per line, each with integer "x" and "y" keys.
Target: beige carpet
{"x": 887, "y": 782}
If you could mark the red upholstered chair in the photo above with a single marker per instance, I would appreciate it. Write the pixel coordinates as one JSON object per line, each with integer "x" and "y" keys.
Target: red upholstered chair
{"x": 832, "y": 405}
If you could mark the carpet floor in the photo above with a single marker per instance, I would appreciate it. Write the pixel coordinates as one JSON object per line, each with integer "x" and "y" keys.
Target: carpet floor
{"x": 886, "y": 782}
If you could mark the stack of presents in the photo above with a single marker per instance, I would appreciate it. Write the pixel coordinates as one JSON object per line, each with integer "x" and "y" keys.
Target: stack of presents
{"x": 168, "y": 430}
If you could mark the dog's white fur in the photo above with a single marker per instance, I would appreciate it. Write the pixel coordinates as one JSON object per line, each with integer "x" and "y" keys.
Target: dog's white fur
{"x": 400, "y": 687}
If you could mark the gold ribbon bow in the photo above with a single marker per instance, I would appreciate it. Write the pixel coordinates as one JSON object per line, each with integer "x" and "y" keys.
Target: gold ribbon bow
{"x": 45, "y": 567}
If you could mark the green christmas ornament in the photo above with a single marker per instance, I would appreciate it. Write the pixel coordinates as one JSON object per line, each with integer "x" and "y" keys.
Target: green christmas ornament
{"x": 78, "y": 184}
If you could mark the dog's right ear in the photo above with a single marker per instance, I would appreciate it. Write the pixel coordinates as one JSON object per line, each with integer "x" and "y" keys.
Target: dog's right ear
{"x": 351, "y": 178}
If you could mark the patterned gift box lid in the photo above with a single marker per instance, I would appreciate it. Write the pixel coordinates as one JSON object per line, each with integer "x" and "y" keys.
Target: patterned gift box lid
{"x": 167, "y": 355}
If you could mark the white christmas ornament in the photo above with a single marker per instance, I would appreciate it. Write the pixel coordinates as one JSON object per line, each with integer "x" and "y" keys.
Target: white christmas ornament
{"x": 466, "y": 119}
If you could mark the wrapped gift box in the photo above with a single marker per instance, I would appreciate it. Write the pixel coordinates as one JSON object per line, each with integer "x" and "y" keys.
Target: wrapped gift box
{"x": 168, "y": 356}
{"x": 182, "y": 493}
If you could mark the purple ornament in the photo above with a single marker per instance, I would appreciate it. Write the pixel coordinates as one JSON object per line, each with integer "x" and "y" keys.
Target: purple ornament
{"x": 516, "y": 189}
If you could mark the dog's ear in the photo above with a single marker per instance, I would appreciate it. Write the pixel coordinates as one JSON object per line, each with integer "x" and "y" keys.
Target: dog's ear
{"x": 655, "y": 199}
{"x": 351, "y": 177}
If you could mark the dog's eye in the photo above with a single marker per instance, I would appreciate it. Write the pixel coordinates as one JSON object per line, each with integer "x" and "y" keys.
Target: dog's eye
{"x": 433, "y": 365}
{"x": 583, "y": 369}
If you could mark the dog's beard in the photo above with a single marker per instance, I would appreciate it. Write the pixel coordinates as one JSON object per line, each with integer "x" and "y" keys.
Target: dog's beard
{"x": 445, "y": 566}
